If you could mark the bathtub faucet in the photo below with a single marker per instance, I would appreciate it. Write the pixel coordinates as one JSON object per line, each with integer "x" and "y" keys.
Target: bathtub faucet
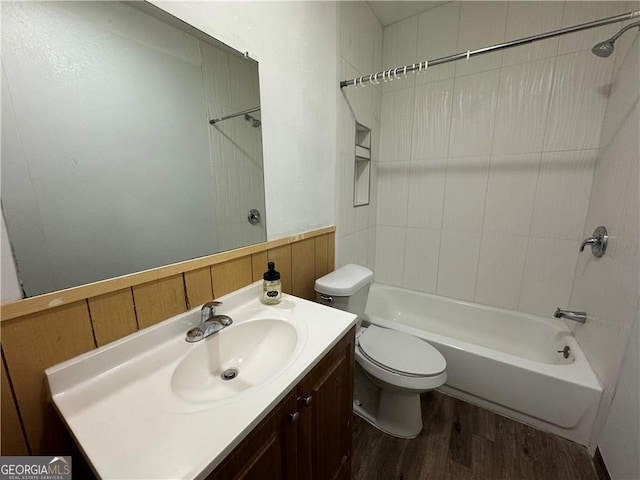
{"x": 580, "y": 317}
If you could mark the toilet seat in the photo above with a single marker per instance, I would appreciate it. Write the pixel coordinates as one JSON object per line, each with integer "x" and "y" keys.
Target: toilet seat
{"x": 400, "y": 353}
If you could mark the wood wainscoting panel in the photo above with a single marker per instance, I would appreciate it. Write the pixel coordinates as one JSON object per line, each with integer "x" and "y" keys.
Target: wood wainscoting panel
{"x": 259, "y": 265}
{"x": 113, "y": 316}
{"x": 231, "y": 275}
{"x": 321, "y": 266}
{"x": 199, "y": 287}
{"x": 331, "y": 251}
{"x": 30, "y": 345}
{"x": 282, "y": 258}
{"x": 13, "y": 441}
{"x": 156, "y": 301}
{"x": 303, "y": 268}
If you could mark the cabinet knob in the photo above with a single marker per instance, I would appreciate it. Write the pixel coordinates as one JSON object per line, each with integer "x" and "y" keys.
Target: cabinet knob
{"x": 294, "y": 416}
{"x": 306, "y": 400}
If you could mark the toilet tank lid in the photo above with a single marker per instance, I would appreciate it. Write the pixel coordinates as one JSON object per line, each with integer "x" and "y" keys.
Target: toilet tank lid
{"x": 344, "y": 281}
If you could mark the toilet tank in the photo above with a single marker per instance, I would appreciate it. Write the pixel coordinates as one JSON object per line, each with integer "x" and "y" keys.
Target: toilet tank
{"x": 346, "y": 288}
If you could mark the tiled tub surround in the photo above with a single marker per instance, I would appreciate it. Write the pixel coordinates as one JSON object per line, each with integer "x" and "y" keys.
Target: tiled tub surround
{"x": 485, "y": 166}
{"x": 502, "y": 360}
{"x": 42, "y": 331}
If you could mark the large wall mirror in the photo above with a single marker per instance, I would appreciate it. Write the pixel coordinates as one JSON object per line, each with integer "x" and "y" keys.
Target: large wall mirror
{"x": 109, "y": 162}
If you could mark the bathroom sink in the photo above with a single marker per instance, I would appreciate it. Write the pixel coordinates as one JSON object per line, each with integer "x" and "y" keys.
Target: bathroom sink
{"x": 235, "y": 360}
{"x": 168, "y": 389}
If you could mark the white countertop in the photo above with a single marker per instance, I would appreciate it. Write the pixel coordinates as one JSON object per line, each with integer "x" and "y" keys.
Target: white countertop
{"x": 119, "y": 404}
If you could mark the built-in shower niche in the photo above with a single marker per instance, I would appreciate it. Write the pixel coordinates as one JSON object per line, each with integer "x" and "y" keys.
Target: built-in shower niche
{"x": 362, "y": 166}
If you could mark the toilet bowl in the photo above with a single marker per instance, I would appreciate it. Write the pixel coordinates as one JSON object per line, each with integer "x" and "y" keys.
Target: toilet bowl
{"x": 392, "y": 367}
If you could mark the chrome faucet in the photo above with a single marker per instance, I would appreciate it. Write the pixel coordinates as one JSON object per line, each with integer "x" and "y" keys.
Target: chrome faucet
{"x": 598, "y": 241}
{"x": 580, "y": 317}
{"x": 210, "y": 323}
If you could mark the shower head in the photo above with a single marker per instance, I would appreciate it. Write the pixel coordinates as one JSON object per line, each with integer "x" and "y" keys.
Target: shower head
{"x": 604, "y": 49}
{"x": 255, "y": 123}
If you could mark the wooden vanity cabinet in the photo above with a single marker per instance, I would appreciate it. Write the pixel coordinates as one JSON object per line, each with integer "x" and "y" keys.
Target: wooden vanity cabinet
{"x": 308, "y": 434}
{"x": 324, "y": 437}
{"x": 269, "y": 451}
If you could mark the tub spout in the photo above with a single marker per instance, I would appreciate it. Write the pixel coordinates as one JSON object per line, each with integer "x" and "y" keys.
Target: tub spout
{"x": 580, "y": 317}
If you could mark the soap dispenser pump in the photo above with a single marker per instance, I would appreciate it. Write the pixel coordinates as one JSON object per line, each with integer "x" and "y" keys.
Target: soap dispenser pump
{"x": 271, "y": 287}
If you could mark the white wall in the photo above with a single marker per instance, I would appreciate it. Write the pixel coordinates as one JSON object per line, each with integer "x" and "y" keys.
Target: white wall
{"x": 486, "y": 165}
{"x": 360, "y": 53}
{"x": 295, "y": 44}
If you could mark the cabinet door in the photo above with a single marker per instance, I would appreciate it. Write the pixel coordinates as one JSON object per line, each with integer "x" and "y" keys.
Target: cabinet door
{"x": 270, "y": 450}
{"x": 325, "y": 399}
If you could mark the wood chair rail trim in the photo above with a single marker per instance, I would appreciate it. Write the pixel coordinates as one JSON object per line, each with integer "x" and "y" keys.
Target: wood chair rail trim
{"x": 58, "y": 298}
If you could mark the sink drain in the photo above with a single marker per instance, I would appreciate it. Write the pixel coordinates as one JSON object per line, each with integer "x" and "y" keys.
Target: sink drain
{"x": 229, "y": 374}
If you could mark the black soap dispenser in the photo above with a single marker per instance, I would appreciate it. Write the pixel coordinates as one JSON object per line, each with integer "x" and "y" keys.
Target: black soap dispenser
{"x": 271, "y": 287}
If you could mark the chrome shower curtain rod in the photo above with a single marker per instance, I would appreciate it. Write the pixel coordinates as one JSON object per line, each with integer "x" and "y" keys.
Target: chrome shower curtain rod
{"x": 233, "y": 115}
{"x": 394, "y": 72}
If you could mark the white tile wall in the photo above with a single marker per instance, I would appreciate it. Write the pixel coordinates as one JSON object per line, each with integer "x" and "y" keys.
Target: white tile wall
{"x": 432, "y": 119}
{"x": 578, "y": 99}
{"x": 360, "y": 52}
{"x": 393, "y": 193}
{"x": 426, "y": 193}
{"x": 530, "y": 18}
{"x": 458, "y": 264}
{"x": 585, "y": 11}
{"x": 437, "y": 37}
{"x": 500, "y": 151}
{"x": 474, "y": 112}
{"x": 465, "y": 192}
{"x": 481, "y": 24}
{"x": 215, "y": 70}
{"x": 523, "y": 102}
{"x": 235, "y": 147}
{"x": 562, "y": 195}
{"x": 390, "y": 255}
{"x": 396, "y": 126}
{"x": 421, "y": 259}
{"x": 500, "y": 270}
{"x": 511, "y": 193}
{"x": 399, "y": 49}
{"x": 608, "y": 288}
{"x": 548, "y": 274}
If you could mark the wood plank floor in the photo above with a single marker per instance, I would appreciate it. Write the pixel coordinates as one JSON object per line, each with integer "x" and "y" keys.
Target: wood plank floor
{"x": 462, "y": 441}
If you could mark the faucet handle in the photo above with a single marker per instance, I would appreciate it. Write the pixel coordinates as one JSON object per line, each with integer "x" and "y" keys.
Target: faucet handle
{"x": 209, "y": 309}
{"x": 589, "y": 241}
{"x": 598, "y": 241}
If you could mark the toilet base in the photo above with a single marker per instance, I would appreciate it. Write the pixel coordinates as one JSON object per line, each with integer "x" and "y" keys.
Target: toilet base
{"x": 396, "y": 414}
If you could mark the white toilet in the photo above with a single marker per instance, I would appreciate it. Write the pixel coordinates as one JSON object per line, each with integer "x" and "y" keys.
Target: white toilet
{"x": 392, "y": 367}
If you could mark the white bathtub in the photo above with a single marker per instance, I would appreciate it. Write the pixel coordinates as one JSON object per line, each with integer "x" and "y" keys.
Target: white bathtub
{"x": 505, "y": 361}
